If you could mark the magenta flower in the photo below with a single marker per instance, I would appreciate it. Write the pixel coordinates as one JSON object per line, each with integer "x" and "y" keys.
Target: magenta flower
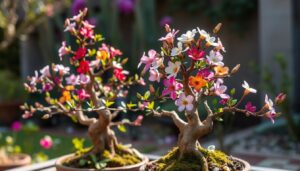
{"x": 82, "y": 94}
{"x": 148, "y": 60}
{"x": 185, "y": 102}
{"x": 16, "y": 126}
{"x": 126, "y": 6}
{"x": 206, "y": 74}
{"x": 171, "y": 87}
{"x": 195, "y": 54}
{"x": 165, "y": 20}
{"x": 47, "y": 87}
{"x": 249, "y": 107}
{"x": 271, "y": 115}
{"x": 86, "y": 32}
{"x": 46, "y": 142}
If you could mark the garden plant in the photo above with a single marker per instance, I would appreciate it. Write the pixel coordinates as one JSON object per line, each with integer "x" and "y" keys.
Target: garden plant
{"x": 191, "y": 70}
{"x": 93, "y": 83}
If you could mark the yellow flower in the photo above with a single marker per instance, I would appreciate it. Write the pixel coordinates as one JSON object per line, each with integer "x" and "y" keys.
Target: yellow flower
{"x": 69, "y": 88}
{"x": 197, "y": 82}
{"x": 102, "y": 55}
{"x": 221, "y": 71}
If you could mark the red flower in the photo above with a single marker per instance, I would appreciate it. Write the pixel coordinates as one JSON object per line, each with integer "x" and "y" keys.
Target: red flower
{"x": 119, "y": 74}
{"x": 80, "y": 53}
{"x": 84, "y": 67}
{"x": 195, "y": 54}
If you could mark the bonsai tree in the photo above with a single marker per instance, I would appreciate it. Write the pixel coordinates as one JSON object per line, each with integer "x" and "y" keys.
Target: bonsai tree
{"x": 93, "y": 82}
{"x": 191, "y": 69}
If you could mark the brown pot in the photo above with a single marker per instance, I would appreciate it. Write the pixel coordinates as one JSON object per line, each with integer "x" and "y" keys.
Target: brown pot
{"x": 21, "y": 160}
{"x": 245, "y": 163}
{"x": 136, "y": 167}
{"x": 9, "y": 112}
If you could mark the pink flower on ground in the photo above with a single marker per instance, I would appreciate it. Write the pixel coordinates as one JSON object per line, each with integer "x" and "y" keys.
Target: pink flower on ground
{"x": 16, "y": 126}
{"x": 138, "y": 120}
{"x": 185, "y": 102}
{"x": 171, "y": 87}
{"x": 46, "y": 142}
{"x": 82, "y": 94}
{"x": 63, "y": 50}
{"x": 249, "y": 107}
{"x": 148, "y": 60}
{"x": 196, "y": 54}
{"x": 154, "y": 75}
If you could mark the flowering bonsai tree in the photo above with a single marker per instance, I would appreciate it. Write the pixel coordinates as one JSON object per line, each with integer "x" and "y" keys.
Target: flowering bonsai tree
{"x": 92, "y": 83}
{"x": 191, "y": 69}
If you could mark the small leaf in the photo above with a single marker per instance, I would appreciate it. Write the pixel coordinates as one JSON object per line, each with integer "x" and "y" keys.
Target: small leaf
{"x": 122, "y": 128}
{"x": 131, "y": 105}
{"x": 147, "y": 95}
{"x": 108, "y": 103}
{"x": 139, "y": 96}
{"x": 151, "y": 105}
{"x": 232, "y": 91}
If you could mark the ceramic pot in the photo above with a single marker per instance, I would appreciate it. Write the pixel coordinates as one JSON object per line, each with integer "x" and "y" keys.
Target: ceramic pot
{"x": 20, "y": 160}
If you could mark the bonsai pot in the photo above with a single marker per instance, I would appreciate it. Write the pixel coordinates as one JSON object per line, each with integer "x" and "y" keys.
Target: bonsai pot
{"x": 136, "y": 167}
{"x": 245, "y": 164}
{"x": 17, "y": 161}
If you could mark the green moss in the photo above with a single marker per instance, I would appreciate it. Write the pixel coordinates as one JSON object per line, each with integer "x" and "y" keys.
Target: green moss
{"x": 190, "y": 162}
{"x": 121, "y": 158}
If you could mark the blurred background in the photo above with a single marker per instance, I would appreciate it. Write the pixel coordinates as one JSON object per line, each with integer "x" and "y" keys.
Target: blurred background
{"x": 262, "y": 35}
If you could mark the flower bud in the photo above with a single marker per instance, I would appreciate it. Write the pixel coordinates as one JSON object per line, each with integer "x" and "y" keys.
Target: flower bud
{"x": 280, "y": 98}
{"x": 217, "y": 28}
{"x": 46, "y": 116}
{"x": 235, "y": 69}
{"x": 167, "y": 27}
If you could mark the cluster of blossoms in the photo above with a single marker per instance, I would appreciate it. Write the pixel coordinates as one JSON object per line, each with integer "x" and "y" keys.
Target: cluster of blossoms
{"x": 191, "y": 68}
{"x": 95, "y": 72}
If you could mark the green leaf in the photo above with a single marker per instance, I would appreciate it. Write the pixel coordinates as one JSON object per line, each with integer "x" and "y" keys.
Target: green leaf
{"x": 82, "y": 162}
{"x": 131, "y": 105}
{"x": 232, "y": 102}
{"x": 78, "y": 143}
{"x": 139, "y": 96}
{"x": 122, "y": 128}
{"x": 147, "y": 95}
{"x": 91, "y": 52}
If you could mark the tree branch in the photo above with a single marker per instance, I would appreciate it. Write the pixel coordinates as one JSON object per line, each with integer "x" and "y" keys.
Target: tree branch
{"x": 176, "y": 119}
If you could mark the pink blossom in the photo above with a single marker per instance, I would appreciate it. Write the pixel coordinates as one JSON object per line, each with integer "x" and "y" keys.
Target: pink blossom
{"x": 86, "y": 32}
{"x": 148, "y": 60}
{"x": 73, "y": 79}
{"x": 62, "y": 70}
{"x": 223, "y": 101}
{"x": 220, "y": 89}
{"x": 16, "y": 126}
{"x": 195, "y": 53}
{"x": 114, "y": 52}
{"x": 171, "y": 87}
{"x": 35, "y": 79}
{"x": 69, "y": 26}
{"x": 173, "y": 68}
{"x": 169, "y": 38}
{"x": 138, "y": 120}
{"x": 154, "y": 75}
{"x": 87, "y": 25}
{"x": 82, "y": 94}
{"x": 206, "y": 74}
{"x": 84, "y": 79}
{"x": 271, "y": 114}
{"x": 46, "y": 142}
{"x": 185, "y": 102}
{"x": 63, "y": 50}
{"x": 249, "y": 107}
{"x": 45, "y": 71}
{"x": 27, "y": 114}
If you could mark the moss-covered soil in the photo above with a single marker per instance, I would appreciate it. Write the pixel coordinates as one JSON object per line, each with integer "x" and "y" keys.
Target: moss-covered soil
{"x": 217, "y": 160}
{"x": 106, "y": 159}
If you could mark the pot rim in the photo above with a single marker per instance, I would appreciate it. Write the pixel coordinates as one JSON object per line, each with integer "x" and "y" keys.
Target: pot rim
{"x": 58, "y": 163}
{"x": 25, "y": 159}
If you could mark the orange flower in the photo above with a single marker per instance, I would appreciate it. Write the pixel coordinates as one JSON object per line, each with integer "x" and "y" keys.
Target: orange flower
{"x": 220, "y": 71}
{"x": 197, "y": 82}
{"x": 66, "y": 96}
{"x": 102, "y": 55}
{"x": 69, "y": 88}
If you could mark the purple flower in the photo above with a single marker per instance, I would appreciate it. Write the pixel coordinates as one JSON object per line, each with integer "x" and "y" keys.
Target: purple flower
{"x": 77, "y": 6}
{"x": 165, "y": 20}
{"x": 126, "y": 6}
{"x": 16, "y": 126}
